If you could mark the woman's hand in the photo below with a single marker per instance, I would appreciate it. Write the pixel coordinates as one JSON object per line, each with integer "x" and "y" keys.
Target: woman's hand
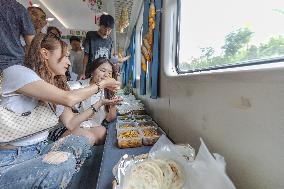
{"x": 112, "y": 102}
{"x": 122, "y": 59}
{"x": 82, "y": 77}
{"x": 110, "y": 84}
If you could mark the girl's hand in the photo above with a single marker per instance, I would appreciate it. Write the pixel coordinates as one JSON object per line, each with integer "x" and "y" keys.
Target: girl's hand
{"x": 117, "y": 99}
{"x": 110, "y": 84}
{"x": 82, "y": 77}
{"x": 112, "y": 102}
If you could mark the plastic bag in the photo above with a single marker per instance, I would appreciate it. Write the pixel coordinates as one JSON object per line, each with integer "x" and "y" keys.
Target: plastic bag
{"x": 207, "y": 172}
{"x": 124, "y": 164}
{"x": 163, "y": 146}
{"x": 164, "y": 150}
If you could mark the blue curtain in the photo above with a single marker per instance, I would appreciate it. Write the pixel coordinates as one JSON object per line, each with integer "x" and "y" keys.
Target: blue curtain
{"x": 127, "y": 68}
{"x": 123, "y": 74}
{"x": 131, "y": 62}
{"x": 132, "y": 58}
{"x": 156, "y": 52}
{"x": 145, "y": 29}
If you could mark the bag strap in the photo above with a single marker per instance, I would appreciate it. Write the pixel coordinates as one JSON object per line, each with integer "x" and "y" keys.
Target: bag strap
{"x": 52, "y": 108}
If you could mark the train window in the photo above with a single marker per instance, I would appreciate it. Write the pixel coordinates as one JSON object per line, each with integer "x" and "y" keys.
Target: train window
{"x": 228, "y": 33}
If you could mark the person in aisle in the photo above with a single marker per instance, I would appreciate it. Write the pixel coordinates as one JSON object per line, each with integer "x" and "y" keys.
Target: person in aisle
{"x": 31, "y": 161}
{"x": 98, "y": 44}
{"x": 15, "y": 22}
{"x": 54, "y": 30}
{"x": 38, "y": 17}
{"x": 76, "y": 56}
{"x": 120, "y": 60}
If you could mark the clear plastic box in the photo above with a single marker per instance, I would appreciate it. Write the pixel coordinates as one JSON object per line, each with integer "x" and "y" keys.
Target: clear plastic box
{"x": 126, "y": 125}
{"x": 140, "y": 118}
{"x": 147, "y": 124}
{"x": 150, "y": 136}
{"x": 129, "y": 138}
{"x": 124, "y": 118}
{"x": 138, "y": 112}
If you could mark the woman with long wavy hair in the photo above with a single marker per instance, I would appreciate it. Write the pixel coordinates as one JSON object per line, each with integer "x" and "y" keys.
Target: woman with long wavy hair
{"x": 32, "y": 162}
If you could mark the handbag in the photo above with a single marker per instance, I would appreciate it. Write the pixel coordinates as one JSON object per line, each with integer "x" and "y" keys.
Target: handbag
{"x": 14, "y": 126}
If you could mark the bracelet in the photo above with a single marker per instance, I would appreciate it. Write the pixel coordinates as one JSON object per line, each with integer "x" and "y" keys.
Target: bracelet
{"x": 94, "y": 109}
{"x": 99, "y": 88}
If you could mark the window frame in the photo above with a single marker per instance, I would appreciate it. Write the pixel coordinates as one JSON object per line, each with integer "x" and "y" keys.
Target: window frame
{"x": 222, "y": 67}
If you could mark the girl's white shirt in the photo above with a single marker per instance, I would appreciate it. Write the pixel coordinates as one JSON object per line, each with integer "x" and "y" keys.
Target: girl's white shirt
{"x": 98, "y": 117}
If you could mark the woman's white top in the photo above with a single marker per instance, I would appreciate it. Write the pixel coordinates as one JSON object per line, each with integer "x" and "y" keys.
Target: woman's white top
{"x": 14, "y": 78}
{"x": 98, "y": 117}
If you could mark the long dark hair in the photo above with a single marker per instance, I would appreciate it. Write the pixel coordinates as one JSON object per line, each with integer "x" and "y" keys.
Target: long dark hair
{"x": 97, "y": 62}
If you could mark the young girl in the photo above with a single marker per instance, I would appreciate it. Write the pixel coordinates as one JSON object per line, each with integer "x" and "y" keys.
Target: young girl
{"x": 31, "y": 162}
{"x": 101, "y": 69}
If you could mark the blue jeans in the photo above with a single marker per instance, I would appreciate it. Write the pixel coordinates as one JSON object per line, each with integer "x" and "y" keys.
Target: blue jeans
{"x": 26, "y": 167}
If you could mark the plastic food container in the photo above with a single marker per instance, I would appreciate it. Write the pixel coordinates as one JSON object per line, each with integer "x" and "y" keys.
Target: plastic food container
{"x": 150, "y": 136}
{"x": 129, "y": 138}
{"x": 124, "y": 118}
{"x": 126, "y": 125}
{"x": 147, "y": 124}
{"x": 140, "y": 118}
{"x": 138, "y": 112}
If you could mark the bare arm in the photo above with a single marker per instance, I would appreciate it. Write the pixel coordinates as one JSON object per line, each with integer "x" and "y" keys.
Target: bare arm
{"x": 73, "y": 121}
{"x": 44, "y": 91}
{"x": 123, "y": 59}
{"x": 111, "y": 115}
{"x": 28, "y": 39}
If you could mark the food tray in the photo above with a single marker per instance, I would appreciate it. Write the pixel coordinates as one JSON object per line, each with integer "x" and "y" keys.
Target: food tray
{"x": 126, "y": 125}
{"x": 140, "y": 118}
{"x": 138, "y": 112}
{"x": 147, "y": 124}
{"x": 129, "y": 138}
{"x": 150, "y": 136}
{"x": 124, "y": 118}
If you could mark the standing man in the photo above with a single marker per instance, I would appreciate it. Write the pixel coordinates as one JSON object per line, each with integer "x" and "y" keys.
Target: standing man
{"x": 14, "y": 22}
{"x": 98, "y": 44}
{"x": 38, "y": 17}
{"x": 76, "y": 56}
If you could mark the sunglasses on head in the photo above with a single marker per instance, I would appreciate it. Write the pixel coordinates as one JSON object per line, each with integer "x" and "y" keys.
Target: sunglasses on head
{"x": 51, "y": 35}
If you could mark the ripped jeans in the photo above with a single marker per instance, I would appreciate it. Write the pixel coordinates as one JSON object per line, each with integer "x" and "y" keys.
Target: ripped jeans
{"x": 43, "y": 165}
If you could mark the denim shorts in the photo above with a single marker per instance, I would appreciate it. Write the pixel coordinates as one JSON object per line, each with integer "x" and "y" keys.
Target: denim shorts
{"x": 25, "y": 167}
